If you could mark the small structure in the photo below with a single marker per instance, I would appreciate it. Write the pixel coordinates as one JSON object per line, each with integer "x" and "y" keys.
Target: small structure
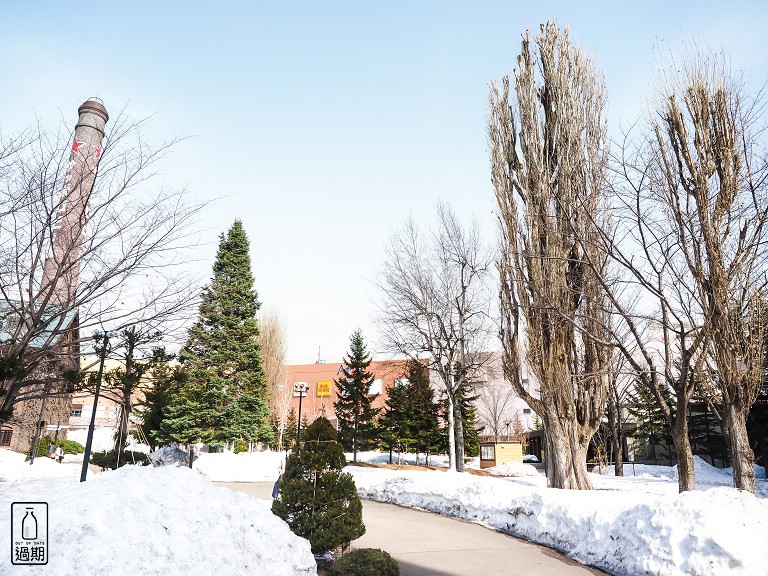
{"x": 498, "y": 452}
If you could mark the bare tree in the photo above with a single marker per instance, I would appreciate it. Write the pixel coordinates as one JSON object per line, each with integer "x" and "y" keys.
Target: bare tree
{"x": 495, "y": 402}
{"x": 112, "y": 260}
{"x": 549, "y": 168}
{"x": 710, "y": 171}
{"x": 435, "y": 305}
{"x": 273, "y": 351}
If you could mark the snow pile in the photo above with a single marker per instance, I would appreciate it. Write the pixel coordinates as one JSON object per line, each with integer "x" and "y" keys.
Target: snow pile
{"x": 513, "y": 469}
{"x": 104, "y": 439}
{"x": 243, "y": 467}
{"x": 705, "y": 473}
{"x": 435, "y": 460}
{"x": 719, "y": 531}
{"x": 14, "y": 467}
{"x": 169, "y": 521}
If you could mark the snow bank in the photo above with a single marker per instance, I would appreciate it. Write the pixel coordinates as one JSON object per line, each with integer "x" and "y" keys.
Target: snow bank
{"x": 720, "y": 531}
{"x": 156, "y": 521}
{"x": 243, "y": 467}
{"x": 513, "y": 469}
{"x": 14, "y": 468}
{"x": 104, "y": 439}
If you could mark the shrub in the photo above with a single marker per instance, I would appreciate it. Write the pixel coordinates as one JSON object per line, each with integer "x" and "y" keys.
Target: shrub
{"x": 241, "y": 446}
{"x": 108, "y": 460}
{"x": 365, "y": 562}
{"x": 317, "y": 500}
{"x": 69, "y": 446}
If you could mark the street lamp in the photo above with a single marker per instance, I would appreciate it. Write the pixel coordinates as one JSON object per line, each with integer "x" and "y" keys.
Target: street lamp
{"x": 89, "y": 441}
{"x": 508, "y": 422}
{"x": 301, "y": 389}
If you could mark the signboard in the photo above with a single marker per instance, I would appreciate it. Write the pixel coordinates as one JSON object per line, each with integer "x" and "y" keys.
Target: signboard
{"x": 324, "y": 388}
{"x": 300, "y": 389}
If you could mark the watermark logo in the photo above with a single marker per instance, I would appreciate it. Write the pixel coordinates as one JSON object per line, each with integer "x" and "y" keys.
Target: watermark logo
{"x": 29, "y": 533}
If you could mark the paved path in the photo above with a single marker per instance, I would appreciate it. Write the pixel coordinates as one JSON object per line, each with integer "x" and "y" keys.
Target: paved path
{"x": 426, "y": 544}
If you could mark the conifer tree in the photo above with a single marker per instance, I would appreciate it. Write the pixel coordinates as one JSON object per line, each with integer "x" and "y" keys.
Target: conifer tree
{"x": 427, "y": 436}
{"x": 652, "y": 424}
{"x": 225, "y": 394}
{"x": 353, "y": 408}
{"x": 396, "y": 424}
{"x": 317, "y": 500}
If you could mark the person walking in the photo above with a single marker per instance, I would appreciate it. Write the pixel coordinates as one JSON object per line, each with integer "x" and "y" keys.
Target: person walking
{"x": 59, "y": 454}
{"x": 280, "y": 472}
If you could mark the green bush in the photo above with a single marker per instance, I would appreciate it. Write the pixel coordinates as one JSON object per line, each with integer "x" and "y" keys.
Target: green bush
{"x": 241, "y": 446}
{"x": 317, "y": 499}
{"x": 108, "y": 460}
{"x": 69, "y": 446}
{"x": 365, "y": 562}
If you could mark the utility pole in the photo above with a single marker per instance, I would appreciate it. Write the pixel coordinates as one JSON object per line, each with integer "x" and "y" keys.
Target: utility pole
{"x": 89, "y": 441}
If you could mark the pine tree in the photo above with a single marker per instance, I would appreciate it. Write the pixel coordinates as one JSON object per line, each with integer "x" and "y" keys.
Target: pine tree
{"x": 317, "y": 500}
{"x": 291, "y": 424}
{"x": 396, "y": 424}
{"x": 353, "y": 408}
{"x": 651, "y": 422}
{"x": 425, "y": 427}
{"x": 465, "y": 398}
{"x": 225, "y": 394}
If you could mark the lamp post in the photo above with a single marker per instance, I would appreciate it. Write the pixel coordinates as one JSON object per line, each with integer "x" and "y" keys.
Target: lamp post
{"x": 301, "y": 389}
{"x": 89, "y": 441}
{"x": 508, "y": 422}
{"x": 33, "y": 451}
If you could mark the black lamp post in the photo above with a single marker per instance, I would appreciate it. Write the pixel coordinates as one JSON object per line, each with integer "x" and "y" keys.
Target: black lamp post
{"x": 301, "y": 389}
{"x": 91, "y": 426}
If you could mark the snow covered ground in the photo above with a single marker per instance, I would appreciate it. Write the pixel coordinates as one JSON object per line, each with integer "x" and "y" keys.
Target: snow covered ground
{"x": 142, "y": 520}
{"x": 634, "y": 525}
{"x": 154, "y": 520}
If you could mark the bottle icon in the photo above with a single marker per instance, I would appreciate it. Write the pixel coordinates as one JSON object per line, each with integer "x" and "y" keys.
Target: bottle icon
{"x": 29, "y": 525}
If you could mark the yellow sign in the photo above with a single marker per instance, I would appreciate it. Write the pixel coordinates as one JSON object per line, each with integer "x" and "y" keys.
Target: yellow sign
{"x": 324, "y": 388}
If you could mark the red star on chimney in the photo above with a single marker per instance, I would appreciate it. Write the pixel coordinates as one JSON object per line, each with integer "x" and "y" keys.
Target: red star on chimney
{"x": 76, "y": 145}
{"x": 98, "y": 153}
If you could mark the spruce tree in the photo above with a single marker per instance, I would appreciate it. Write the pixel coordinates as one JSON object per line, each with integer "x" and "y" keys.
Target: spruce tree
{"x": 225, "y": 394}
{"x": 465, "y": 398}
{"x": 424, "y": 416}
{"x": 396, "y": 424}
{"x": 317, "y": 500}
{"x": 353, "y": 407}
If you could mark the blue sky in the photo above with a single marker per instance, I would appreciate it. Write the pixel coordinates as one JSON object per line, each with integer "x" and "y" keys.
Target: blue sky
{"x": 324, "y": 125}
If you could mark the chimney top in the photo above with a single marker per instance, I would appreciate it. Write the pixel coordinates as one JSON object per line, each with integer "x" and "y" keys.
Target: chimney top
{"x": 94, "y": 105}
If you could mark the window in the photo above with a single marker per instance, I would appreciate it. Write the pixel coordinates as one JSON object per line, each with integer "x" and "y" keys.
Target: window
{"x": 77, "y": 410}
{"x": 375, "y": 387}
{"x": 526, "y": 410}
{"x": 5, "y": 437}
{"x": 488, "y": 452}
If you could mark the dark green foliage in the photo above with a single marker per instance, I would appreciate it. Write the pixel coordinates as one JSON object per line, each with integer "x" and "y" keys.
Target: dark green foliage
{"x": 68, "y": 446}
{"x": 410, "y": 418}
{"x": 353, "y": 408}
{"x": 317, "y": 500}
{"x": 705, "y": 434}
{"x": 651, "y": 423}
{"x": 108, "y": 460}
{"x": 365, "y": 562}
{"x": 757, "y": 426}
{"x": 291, "y": 424}
{"x": 224, "y": 396}
{"x": 465, "y": 397}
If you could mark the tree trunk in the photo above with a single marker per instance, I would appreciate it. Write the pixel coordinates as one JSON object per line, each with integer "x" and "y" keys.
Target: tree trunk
{"x": 686, "y": 479}
{"x": 566, "y": 458}
{"x": 459, "y": 437}
{"x": 616, "y": 437}
{"x": 451, "y": 437}
{"x": 742, "y": 457}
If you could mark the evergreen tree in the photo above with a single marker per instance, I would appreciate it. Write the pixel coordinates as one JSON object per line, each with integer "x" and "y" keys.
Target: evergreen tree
{"x": 317, "y": 500}
{"x": 465, "y": 398}
{"x": 396, "y": 426}
{"x": 425, "y": 426}
{"x": 291, "y": 424}
{"x": 353, "y": 408}
{"x": 225, "y": 393}
{"x": 651, "y": 422}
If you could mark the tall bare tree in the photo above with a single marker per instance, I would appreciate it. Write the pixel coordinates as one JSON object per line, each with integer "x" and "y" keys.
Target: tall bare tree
{"x": 495, "y": 402}
{"x": 548, "y": 150}
{"x": 126, "y": 248}
{"x": 435, "y": 305}
{"x": 710, "y": 171}
{"x": 273, "y": 350}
